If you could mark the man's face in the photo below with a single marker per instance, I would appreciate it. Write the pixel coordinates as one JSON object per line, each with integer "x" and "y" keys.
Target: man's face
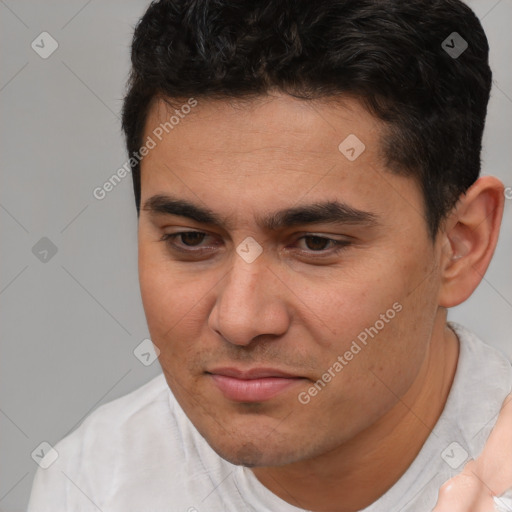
{"x": 243, "y": 341}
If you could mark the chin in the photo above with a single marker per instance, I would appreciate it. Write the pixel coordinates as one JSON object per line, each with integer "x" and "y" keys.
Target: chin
{"x": 251, "y": 454}
{"x": 255, "y": 446}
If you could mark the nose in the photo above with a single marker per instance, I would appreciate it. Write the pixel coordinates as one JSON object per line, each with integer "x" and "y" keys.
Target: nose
{"x": 250, "y": 303}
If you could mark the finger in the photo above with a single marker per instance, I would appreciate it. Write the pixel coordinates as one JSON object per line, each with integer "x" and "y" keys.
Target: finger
{"x": 464, "y": 493}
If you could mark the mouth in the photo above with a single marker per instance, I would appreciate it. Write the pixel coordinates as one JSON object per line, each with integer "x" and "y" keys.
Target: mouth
{"x": 253, "y": 385}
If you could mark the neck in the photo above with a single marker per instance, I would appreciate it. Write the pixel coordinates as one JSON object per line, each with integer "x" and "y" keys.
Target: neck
{"x": 357, "y": 473}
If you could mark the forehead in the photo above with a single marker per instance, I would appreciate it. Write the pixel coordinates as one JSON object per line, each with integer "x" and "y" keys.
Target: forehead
{"x": 273, "y": 122}
{"x": 273, "y": 137}
{"x": 272, "y": 151}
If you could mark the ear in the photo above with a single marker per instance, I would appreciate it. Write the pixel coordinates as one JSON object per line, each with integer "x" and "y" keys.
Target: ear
{"x": 468, "y": 238}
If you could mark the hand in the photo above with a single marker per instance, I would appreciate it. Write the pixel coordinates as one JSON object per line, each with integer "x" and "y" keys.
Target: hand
{"x": 488, "y": 476}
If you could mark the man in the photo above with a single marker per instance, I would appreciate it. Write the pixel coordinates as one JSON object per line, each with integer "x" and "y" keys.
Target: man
{"x": 306, "y": 177}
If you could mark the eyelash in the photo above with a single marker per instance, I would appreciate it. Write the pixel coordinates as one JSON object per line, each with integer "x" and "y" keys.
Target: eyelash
{"x": 339, "y": 245}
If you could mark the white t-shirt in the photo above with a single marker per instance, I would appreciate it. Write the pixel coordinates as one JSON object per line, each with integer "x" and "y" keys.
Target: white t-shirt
{"x": 141, "y": 453}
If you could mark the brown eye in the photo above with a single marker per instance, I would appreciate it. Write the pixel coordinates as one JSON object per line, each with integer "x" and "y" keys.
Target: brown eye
{"x": 315, "y": 246}
{"x": 188, "y": 239}
{"x": 316, "y": 243}
{"x": 192, "y": 238}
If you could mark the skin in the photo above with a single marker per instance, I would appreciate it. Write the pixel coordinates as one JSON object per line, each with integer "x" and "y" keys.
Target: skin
{"x": 299, "y": 304}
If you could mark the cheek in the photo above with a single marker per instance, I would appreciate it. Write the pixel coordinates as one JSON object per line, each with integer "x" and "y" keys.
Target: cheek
{"x": 176, "y": 302}
{"x": 382, "y": 319}
{"x": 353, "y": 304}
{"x": 167, "y": 296}
{"x": 398, "y": 352}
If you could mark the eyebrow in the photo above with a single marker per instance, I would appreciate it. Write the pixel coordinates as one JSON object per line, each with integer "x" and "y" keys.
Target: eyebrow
{"x": 328, "y": 212}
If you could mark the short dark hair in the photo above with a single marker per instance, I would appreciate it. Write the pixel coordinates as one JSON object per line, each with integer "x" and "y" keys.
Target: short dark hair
{"x": 386, "y": 53}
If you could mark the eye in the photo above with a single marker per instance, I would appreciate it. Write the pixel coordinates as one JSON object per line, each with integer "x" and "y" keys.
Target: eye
{"x": 314, "y": 244}
{"x": 192, "y": 238}
{"x": 317, "y": 244}
{"x": 188, "y": 239}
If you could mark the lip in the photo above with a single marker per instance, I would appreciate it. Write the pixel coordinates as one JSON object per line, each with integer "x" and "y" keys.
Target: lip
{"x": 252, "y": 373}
{"x": 253, "y": 385}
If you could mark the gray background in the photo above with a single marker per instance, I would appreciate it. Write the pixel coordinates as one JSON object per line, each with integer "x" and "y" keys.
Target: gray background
{"x": 70, "y": 324}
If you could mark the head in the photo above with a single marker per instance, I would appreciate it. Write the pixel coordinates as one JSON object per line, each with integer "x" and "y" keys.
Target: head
{"x": 321, "y": 161}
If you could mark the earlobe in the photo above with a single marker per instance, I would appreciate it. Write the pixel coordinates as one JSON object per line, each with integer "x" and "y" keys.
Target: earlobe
{"x": 470, "y": 238}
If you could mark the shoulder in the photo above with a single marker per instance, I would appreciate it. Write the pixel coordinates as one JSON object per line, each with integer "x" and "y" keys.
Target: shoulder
{"x": 110, "y": 427}
{"x": 146, "y": 399}
{"x": 116, "y": 435}
{"x": 482, "y": 381}
{"x": 475, "y": 354}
